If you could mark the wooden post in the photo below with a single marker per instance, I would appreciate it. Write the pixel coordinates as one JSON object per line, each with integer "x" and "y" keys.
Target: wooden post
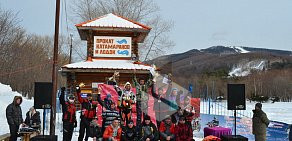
{"x": 135, "y": 48}
{"x": 90, "y": 45}
{"x": 54, "y": 74}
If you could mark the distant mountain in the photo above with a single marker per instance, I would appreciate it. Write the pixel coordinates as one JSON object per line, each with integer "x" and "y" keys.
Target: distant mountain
{"x": 223, "y": 60}
{"x": 241, "y": 49}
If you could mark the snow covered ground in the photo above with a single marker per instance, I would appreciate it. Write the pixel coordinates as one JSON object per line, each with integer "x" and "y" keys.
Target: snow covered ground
{"x": 279, "y": 111}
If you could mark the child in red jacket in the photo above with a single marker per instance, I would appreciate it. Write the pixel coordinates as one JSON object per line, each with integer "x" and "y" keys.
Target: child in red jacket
{"x": 183, "y": 132}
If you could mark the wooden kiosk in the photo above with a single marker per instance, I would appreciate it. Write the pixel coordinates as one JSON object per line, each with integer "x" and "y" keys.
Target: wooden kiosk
{"x": 112, "y": 45}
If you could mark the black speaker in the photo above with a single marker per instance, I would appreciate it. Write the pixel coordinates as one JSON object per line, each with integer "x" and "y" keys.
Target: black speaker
{"x": 236, "y": 97}
{"x": 45, "y": 138}
{"x": 43, "y": 95}
{"x": 233, "y": 138}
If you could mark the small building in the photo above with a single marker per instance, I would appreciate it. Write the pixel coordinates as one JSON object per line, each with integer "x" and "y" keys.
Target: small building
{"x": 112, "y": 45}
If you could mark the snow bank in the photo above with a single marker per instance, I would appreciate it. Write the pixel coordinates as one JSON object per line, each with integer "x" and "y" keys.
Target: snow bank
{"x": 6, "y": 97}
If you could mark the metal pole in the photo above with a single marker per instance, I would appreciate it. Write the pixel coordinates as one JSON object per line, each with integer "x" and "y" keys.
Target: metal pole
{"x": 71, "y": 35}
{"x": 54, "y": 74}
{"x": 235, "y": 122}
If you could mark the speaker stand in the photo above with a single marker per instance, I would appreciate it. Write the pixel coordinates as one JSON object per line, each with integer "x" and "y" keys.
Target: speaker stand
{"x": 44, "y": 120}
{"x": 235, "y": 122}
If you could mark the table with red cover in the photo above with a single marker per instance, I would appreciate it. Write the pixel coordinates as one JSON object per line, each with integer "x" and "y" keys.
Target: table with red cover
{"x": 217, "y": 131}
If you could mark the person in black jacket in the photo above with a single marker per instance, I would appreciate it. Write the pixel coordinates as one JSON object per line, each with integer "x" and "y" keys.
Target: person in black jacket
{"x": 149, "y": 131}
{"x": 129, "y": 133}
{"x": 88, "y": 113}
{"x": 33, "y": 118}
{"x": 14, "y": 117}
{"x": 69, "y": 115}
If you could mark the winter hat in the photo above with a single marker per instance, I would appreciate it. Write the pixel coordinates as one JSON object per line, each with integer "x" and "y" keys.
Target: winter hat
{"x": 259, "y": 105}
{"x": 128, "y": 83}
{"x": 167, "y": 117}
{"x": 130, "y": 121}
{"x": 147, "y": 117}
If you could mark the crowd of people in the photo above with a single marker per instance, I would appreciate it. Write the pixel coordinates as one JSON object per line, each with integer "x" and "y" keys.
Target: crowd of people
{"x": 173, "y": 114}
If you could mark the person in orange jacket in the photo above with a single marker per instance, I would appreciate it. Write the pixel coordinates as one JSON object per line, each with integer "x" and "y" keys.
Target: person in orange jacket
{"x": 113, "y": 132}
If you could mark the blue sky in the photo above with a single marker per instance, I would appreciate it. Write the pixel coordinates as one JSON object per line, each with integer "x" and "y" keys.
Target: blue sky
{"x": 197, "y": 23}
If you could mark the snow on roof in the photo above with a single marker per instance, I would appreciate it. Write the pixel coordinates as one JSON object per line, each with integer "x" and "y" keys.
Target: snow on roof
{"x": 108, "y": 64}
{"x": 112, "y": 20}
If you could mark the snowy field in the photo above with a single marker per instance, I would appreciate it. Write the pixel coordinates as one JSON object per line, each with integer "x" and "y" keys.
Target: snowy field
{"x": 280, "y": 111}
{"x": 6, "y": 97}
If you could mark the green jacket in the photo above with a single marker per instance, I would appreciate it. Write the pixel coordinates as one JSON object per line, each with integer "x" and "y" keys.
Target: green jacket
{"x": 260, "y": 122}
{"x": 142, "y": 90}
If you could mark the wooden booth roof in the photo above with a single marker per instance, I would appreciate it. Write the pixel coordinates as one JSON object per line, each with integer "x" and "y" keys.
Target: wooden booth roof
{"x": 112, "y": 24}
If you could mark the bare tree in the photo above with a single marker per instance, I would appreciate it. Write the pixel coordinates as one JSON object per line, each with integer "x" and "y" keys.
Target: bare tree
{"x": 145, "y": 11}
{"x": 25, "y": 58}
{"x": 157, "y": 43}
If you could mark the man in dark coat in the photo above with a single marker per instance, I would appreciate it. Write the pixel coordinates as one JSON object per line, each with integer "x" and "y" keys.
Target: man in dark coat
{"x": 149, "y": 131}
{"x": 88, "y": 113}
{"x": 129, "y": 133}
{"x": 260, "y": 123}
{"x": 33, "y": 118}
{"x": 14, "y": 117}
